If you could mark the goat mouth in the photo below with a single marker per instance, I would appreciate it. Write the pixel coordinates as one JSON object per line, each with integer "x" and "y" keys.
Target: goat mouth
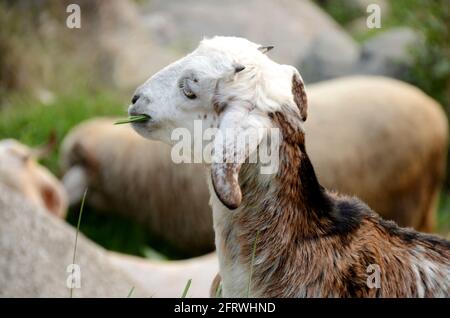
{"x": 133, "y": 119}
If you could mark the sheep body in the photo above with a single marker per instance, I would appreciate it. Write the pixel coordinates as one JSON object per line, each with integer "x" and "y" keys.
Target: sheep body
{"x": 391, "y": 151}
{"x": 134, "y": 176}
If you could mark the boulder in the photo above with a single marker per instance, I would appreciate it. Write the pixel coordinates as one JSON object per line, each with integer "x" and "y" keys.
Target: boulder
{"x": 329, "y": 57}
{"x": 290, "y": 25}
{"x": 388, "y": 54}
{"x": 36, "y": 249}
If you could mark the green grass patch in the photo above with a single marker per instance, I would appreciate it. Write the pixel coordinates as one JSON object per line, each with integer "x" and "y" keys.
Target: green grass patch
{"x": 31, "y": 122}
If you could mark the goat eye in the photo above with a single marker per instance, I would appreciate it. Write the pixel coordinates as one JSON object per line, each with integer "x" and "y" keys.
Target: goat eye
{"x": 187, "y": 91}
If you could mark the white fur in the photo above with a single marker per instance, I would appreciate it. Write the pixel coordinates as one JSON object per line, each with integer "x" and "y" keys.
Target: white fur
{"x": 260, "y": 88}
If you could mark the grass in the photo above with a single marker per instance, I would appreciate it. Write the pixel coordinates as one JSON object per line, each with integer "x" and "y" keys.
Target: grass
{"x": 130, "y": 292}
{"x": 132, "y": 119}
{"x": 76, "y": 236}
{"x": 31, "y": 122}
{"x": 251, "y": 264}
{"x": 186, "y": 288}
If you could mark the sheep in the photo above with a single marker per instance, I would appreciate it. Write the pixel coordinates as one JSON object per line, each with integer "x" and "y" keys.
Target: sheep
{"x": 378, "y": 112}
{"x": 135, "y": 176}
{"x": 21, "y": 175}
{"x": 20, "y": 172}
{"x": 295, "y": 237}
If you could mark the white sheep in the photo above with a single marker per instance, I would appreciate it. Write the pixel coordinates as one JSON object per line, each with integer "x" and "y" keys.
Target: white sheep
{"x": 133, "y": 176}
{"x": 20, "y": 171}
{"x": 309, "y": 242}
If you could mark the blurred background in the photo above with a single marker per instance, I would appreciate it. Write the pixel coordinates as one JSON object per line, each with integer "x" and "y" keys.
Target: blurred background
{"x": 53, "y": 77}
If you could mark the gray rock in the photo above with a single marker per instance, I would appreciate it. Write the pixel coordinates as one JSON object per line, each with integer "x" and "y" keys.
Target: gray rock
{"x": 36, "y": 249}
{"x": 290, "y": 25}
{"x": 329, "y": 57}
{"x": 388, "y": 54}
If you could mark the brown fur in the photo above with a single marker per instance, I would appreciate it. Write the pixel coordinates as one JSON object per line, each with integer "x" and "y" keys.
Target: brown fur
{"x": 319, "y": 240}
{"x": 315, "y": 243}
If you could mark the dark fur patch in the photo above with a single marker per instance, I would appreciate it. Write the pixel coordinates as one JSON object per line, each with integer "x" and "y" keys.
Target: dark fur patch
{"x": 316, "y": 242}
{"x": 300, "y": 99}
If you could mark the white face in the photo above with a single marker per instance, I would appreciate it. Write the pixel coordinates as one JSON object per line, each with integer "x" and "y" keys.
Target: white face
{"x": 227, "y": 83}
{"x": 179, "y": 94}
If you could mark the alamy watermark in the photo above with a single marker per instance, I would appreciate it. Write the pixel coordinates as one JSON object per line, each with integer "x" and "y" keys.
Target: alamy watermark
{"x": 73, "y": 20}
{"x": 74, "y": 278}
{"x": 374, "y": 277}
{"x": 232, "y": 145}
{"x": 373, "y": 21}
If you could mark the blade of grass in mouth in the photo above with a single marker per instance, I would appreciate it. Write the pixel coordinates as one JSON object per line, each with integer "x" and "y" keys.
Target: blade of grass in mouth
{"x": 133, "y": 119}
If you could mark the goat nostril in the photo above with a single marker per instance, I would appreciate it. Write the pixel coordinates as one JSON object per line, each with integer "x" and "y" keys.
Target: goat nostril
{"x": 135, "y": 98}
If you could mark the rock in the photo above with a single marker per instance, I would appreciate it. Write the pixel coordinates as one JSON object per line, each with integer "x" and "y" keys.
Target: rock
{"x": 290, "y": 25}
{"x": 329, "y": 57}
{"x": 388, "y": 54}
{"x": 169, "y": 278}
{"x": 36, "y": 249}
{"x": 127, "y": 53}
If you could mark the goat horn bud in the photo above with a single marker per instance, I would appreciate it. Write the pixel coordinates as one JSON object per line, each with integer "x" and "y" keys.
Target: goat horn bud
{"x": 265, "y": 49}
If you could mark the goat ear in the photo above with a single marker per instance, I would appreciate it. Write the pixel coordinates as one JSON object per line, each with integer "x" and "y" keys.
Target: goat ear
{"x": 299, "y": 93}
{"x": 238, "y": 68}
{"x": 265, "y": 49}
{"x": 235, "y": 140}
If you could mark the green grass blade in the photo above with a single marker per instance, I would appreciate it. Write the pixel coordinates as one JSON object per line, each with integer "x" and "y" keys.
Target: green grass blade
{"x": 76, "y": 234}
{"x": 219, "y": 291}
{"x": 251, "y": 265}
{"x": 130, "y": 292}
{"x": 132, "y": 119}
{"x": 186, "y": 288}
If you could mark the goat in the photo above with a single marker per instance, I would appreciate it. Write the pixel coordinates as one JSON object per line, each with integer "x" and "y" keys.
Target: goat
{"x": 20, "y": 171}
{"x": 377, "y": 111}
{"x": 309, "y": 242}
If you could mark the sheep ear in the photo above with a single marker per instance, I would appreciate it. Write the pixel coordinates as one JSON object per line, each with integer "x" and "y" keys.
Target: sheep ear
{"x": 43, "y": 151}
{"x": 235, "y": 140}
{"x": 265, "y": 49}
{"x": 299, "y": 93}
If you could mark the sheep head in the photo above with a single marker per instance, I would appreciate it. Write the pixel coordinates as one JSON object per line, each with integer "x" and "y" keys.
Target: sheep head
{"x": 20, "y": 171}
{"x": 230, "y": 85}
